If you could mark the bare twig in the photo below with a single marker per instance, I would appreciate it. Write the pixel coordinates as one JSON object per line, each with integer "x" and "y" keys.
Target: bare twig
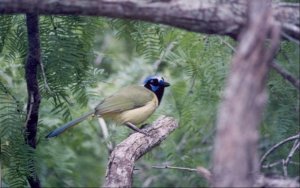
{"x": 121, "y": 162}
{"x": 272, "y": 164}
{"x": 286, "y": 75}
{"x": 273, "y": 148}
{"x": 290, "y": 155}
{"x": 284, "y": 168}
{"x": 288, "y": 37}
{"x": 261, "y": 181}
{"x": 203, "y": 172}
{"x": 44, "y": 77}
{"x": 295, "y": 163}
{"x": 227, "y": 44}
{"x": 292, "y": 152}
{"x": 167, "y": 50}
{"x": 175, "y": 167}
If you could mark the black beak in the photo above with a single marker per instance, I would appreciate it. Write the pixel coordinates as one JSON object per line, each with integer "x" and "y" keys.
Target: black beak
{"x": 166, "y": 84}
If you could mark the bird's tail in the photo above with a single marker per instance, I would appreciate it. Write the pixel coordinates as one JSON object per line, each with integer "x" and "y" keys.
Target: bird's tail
{"x": 61, "y": 129}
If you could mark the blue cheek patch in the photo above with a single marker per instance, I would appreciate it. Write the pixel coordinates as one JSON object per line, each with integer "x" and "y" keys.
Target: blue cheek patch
{"x": 154, "y": 88}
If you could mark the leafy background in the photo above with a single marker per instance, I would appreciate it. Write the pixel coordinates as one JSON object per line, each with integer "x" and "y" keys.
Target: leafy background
{"x": 88, "y": 58}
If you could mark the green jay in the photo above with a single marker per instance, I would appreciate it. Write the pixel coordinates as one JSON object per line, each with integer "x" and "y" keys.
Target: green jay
{"x": 130, "y": 106}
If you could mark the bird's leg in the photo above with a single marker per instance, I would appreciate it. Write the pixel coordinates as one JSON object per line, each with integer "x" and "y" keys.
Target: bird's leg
{"x": 133, "y": 127}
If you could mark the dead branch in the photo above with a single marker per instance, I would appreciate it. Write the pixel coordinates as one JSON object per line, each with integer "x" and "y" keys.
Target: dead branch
{"x": 276, "y": 146}
{"x": 121, "y": 162}
{"x": 261, "y": 181}
{"x": 226, "y": 17}
{"x": 235, "y": 149}
{"x": 286, "y": 75}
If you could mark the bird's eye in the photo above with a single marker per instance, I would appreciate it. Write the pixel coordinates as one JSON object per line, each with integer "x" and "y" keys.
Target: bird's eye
{"x": 154, "y": 82}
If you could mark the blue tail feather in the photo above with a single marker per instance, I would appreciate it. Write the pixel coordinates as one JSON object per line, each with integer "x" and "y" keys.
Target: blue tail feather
{"x": 66, "y": 126}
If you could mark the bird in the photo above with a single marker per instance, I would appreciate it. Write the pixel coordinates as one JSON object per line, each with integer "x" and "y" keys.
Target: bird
{"x": 130, "y": 106}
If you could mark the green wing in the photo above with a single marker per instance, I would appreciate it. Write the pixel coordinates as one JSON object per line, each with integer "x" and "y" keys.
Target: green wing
{"x": 125, "y": 99}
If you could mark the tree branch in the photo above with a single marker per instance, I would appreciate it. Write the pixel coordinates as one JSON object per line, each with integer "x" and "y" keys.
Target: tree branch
{"x": 261, "y": 181}
{"x": 226, "y": 17}
{"x": 286, "y": 75}
{"x": 235, "y": 148}
{"x": 273, "y": 148}
{"x": 33, "y": 61}
{"x": 121, "y": 162}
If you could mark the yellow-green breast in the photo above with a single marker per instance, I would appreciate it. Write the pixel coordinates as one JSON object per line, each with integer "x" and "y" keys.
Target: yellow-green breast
{"x": 133, "y": 104}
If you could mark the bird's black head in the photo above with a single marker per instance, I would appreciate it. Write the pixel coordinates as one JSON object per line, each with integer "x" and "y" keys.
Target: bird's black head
{"x": 157, "y": 85}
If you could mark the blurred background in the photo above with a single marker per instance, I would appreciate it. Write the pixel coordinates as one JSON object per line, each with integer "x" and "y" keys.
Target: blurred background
{"x": 88, "y": 58}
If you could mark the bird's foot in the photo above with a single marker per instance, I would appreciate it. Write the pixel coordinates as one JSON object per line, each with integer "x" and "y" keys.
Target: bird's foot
{"x": 133, "y": 127}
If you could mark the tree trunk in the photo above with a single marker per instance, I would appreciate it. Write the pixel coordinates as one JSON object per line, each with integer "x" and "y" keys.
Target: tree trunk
{"x": 33, "y": 102}
{"x": 235, "y": 151}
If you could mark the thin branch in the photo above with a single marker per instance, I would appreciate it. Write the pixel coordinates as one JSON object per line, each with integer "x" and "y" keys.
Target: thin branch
{"x": 175, "y": 167}
{"x": 227, "y": 44}
{"x": 261, "y": 181}
{"x": 290, "y": 155}
{"x": 295, "y": 163}
{"x": 203, "y": 172}
{"x": 284, "y": 168}
{"x": 273, "y": 148}
{"x": 44, "y": 77}
{"x": 288, "y": 37}
{"x": 286, "y": 75}
{"x": 167, "y": 50}
{"x": 272, "y": 164}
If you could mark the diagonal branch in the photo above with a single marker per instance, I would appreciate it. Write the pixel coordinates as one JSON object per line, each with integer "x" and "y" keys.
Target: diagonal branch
{"x": 286, "y": 75}
{"x": 273, "y": 148}
{"x": 31, "y": 67}
{"x": 121, "y": 162}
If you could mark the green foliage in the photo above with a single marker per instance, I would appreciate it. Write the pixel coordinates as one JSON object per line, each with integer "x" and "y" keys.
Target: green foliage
{"x": 86, "y": 59}
{"x": 15, "y": 154}
{"x": 66, "y": 41}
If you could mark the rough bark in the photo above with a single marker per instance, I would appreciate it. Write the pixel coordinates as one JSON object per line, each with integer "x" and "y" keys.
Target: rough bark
{"x": 121, "y": 162}
{"x": 225, "y": 17}
{"x": 33, "y": 102}
{"x": 235, "y": 150}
